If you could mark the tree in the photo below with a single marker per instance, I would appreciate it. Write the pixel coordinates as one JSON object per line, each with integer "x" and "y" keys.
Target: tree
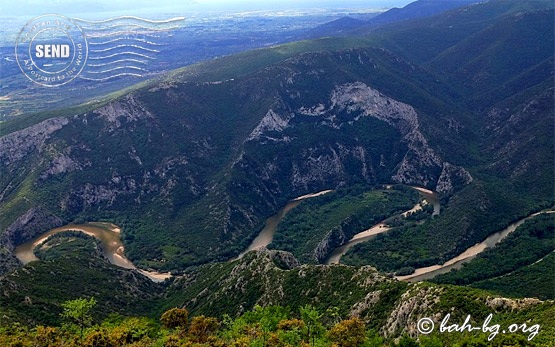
{"x": 348, "y": 333}
{"x": 97, "y": 338}
{"x": 78, "y": 312}
{"x": 289, "y": 331}
{"x": 47, "y": 336}
{"x": 201, "y": 327}
{"x": 406, "y": 341}
{"x": 291, "y": 324}
{"x": 175, "y": 318}
{"x": 313, "y": 325}
{"x": 131, "y": 330}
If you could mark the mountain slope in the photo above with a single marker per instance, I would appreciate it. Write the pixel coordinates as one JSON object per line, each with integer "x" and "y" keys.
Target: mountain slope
{"x": 419, "y": 9}
{"x": 389, "y": 308}
{"x": 424, "y": 39}
{"x": 160, "y": 159}
{"x": 191, "y": 165}
{"x": 73, "y": 267}
{"x": 347, "y": 26}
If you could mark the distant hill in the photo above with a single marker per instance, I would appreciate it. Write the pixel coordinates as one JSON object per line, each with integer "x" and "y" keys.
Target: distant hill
{"x": 419, "y": 9}
{"x": 339, "y": 27}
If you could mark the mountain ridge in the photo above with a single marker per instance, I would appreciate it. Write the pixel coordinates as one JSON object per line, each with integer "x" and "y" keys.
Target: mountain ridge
{"x": 196, "y": 142}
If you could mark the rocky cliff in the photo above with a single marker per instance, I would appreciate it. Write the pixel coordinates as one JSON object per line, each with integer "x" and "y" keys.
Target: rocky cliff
{"x": 275, "y": 278}
{"x": 30, "y": 224}
{"x": 200, "y": 166}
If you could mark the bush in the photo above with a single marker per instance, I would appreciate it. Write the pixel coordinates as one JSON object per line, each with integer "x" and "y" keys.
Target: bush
{"x": 175, "y": 318}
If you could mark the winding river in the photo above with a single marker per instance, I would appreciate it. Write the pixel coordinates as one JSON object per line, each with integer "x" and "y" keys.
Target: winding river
{"x": 426, "y": 273}
{"x": 266, "y": 235}
{"x": 382, "y": 227}
{"x": 109, "y": 236}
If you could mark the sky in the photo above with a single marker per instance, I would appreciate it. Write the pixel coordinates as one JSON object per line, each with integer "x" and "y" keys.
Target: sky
{"x": 68, "y": 7}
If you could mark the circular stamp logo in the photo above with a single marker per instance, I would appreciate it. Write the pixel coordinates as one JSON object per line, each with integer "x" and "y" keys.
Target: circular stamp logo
{"x": 51, "y": 50}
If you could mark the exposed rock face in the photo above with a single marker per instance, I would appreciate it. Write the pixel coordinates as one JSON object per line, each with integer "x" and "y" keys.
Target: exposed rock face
{"x": 32, "y": 223}
{"x": 421, "y": 301}
{"x": 270, "y": 122}
{"x": 358, "y": 97}
{"x": 420, "y": 162}
{"x": 60, "y": 165}
{"x": 8, "y": 261}
{"x": 128, "y": 109}
{"x": 15, "y": 146}
{"x": 317, "y": 168}
{"x": 451, "y": 177}
{"x": 371, "y": 299}
{"x": 505, "y": 304}
{"x": 413, "y": 305}
{"x": 333, "y": 239}
{"x": 420, "y": 165}
{"x": 284, "y": 260}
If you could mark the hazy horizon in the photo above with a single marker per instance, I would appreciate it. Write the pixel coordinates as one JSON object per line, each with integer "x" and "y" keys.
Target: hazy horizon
{"x": 69, "y": 7}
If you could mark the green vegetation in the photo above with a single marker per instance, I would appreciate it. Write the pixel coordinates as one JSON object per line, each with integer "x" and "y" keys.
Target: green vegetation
{"x": 180, "y": 168}
{"x": 467, "y": 218}
{"x": 337, "y": 216}
{"x": 73, "y": 267}
{"x": 529, "y": 243}
{"x": 270, "y": 326}
{"x": 175, "y": 166}
{"x": 264, "y": 299}
{"x": 161, "y": 191}
{"x": 271, "y": 278}
{"x": 78, "y": 312}
{"x": 264, "y": 327}
{"x": 528, "y": 281}
{"x": 67, "y": 242}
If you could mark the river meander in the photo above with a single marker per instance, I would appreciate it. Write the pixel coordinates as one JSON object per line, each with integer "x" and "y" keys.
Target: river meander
{"x": 109, "y": 236}
{"x": 266, "y": 235}
{"x": 429, "y": 196}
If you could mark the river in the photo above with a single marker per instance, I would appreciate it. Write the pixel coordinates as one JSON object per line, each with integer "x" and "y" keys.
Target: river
{"x": 432, "y": 198}
{"x": 426, "y": 273}
{"x": 112, "y": 247}
{"x": 266, "y": 235}
{"x": 382, "y": 227}
{"x": 109, "y": 236}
